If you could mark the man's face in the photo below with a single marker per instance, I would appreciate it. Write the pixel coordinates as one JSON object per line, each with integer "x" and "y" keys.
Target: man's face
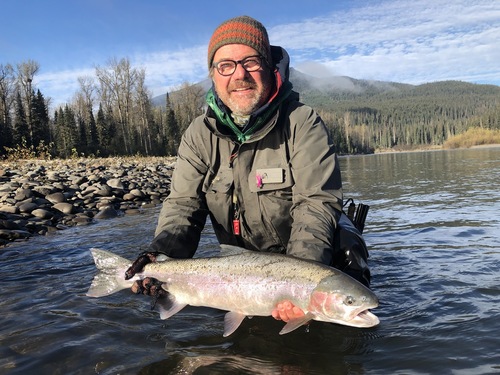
{"x": 243, "y": 92}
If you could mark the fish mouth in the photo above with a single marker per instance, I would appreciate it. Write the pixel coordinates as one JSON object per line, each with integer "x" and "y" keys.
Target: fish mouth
{"x": 364, "y": 319}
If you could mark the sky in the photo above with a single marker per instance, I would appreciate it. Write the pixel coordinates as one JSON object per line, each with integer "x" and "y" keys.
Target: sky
{"x": 407, "y": 41}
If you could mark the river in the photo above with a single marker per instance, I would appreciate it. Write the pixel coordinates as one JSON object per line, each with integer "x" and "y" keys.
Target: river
{"x": 433, "y": 232}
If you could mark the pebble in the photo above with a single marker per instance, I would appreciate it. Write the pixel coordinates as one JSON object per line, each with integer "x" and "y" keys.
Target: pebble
{"x": 39, "y": 197}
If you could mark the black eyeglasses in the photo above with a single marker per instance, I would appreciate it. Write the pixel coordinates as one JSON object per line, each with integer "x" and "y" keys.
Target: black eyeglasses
{"x": 228, "y": 67}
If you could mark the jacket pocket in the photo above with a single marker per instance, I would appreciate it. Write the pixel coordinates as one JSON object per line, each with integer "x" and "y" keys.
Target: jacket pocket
{"x": 222, "y": 182}
{"x": 265, "y": 179}
{"x": 274, "y": 197}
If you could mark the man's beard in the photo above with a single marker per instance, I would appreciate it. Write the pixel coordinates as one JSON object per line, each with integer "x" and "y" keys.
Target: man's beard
{"x": 250, "y": 105}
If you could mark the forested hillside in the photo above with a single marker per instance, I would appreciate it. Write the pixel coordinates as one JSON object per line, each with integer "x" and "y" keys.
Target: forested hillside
{"x": 113, "y": 113}
{"x": 364, "y": 116}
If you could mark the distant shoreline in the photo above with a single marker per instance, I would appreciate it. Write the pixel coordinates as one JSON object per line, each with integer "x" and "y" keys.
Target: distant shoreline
{"x": 433, "y": 148}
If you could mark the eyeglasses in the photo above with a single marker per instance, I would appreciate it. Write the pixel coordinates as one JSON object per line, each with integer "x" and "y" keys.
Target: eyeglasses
{"x": 228, "y": 67}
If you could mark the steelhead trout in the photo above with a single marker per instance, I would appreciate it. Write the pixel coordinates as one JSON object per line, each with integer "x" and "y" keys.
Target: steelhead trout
{"x": 245, "y": 283}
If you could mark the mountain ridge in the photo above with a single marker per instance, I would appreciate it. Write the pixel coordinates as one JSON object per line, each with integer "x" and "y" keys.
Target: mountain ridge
{"x": 322, "y": 90}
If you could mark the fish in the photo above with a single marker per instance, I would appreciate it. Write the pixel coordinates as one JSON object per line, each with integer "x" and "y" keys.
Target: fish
{"x": 245, "y": 284}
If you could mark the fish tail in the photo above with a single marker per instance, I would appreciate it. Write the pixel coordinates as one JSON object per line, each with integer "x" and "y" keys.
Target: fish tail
{"x": 110, "y": 277}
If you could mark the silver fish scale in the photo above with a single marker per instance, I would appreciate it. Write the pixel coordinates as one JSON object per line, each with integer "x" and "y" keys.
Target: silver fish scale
{"x": 250, "y": 283}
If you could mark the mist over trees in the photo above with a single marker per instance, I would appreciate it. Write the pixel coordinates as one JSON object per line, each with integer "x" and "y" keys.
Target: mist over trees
{"x": 113, "y": 113}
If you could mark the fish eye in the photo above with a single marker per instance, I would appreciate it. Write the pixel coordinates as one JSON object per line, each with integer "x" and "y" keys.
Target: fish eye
{"x": 349, "y": 300}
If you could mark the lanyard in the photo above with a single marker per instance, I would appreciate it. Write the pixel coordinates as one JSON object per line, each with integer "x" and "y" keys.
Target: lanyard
{"x": 236, "y": 215}
{"x": 236, "y": 206}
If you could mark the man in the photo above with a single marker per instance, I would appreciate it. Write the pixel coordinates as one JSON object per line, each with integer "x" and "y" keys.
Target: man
{"x": 259, "y": 162}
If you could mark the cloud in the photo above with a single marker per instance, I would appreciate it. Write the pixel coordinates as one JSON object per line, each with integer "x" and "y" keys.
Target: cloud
{"x": 165, "y": 70}
{"x": 403, "y": 41}
{"x": 61, "y": 85}
{"x": 168, "y": 69}
{"x": 411, "y": 42}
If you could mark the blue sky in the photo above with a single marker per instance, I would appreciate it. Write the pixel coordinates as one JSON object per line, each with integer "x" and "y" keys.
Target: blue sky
{"x": 409, "y": 41}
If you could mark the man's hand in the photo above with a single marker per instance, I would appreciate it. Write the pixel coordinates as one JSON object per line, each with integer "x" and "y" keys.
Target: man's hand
{"x": 287, "y": 311}
{"x": 148, "y": 286}
{"x": 138, "y": 265}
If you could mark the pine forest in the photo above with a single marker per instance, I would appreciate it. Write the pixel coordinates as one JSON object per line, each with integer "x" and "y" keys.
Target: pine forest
{"x": 114, "y": 114}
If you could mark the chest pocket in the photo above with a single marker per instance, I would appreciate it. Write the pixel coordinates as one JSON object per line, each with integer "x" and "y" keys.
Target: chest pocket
{"x": 264, "y": 178}
{"x": 221, "y": 183}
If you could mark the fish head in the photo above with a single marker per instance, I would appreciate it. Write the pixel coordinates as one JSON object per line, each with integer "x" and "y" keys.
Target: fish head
{"x": 343, "y": 300}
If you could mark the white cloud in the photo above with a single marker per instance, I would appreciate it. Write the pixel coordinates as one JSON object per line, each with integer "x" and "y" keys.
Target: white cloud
{"x": 411, "y": 42}
{"x": 168, "y": 69}
{"x": 404, "y": 41}
{"x": 61, "y": 86}
{"x": 165, "y": 70}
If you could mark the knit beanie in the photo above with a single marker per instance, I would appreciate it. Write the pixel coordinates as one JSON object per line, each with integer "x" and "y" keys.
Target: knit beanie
{"x": 240, "y": 30}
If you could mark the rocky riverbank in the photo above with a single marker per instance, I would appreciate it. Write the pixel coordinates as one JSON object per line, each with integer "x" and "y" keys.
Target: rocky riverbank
{"x": 38, "y": 197}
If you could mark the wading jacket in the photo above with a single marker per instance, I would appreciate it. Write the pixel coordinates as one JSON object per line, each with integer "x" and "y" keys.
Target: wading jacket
{"x": 278, "y": 189}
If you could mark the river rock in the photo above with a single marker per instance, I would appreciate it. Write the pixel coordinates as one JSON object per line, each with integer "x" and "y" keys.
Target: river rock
{"x": 107, "y": 213}
{"x": 42, "y": 214}
{"x": 27, "y": 207}
{"x": 64, "y": 207}
{"x": 8, "y": 223}
{"x": 23, "y": 194}
{"x": 9, "y": 209}
{"x": 12, "y": 235}
{"x": 44, "y": 190}
{"x": 115, "y": 183}
{"x": 128, "y": 197}
{"x": 57, "y": 197}
{"x": 38, "y": 197}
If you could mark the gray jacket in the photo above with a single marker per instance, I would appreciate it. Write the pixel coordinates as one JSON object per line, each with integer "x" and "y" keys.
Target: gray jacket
{"x": 281, "y": 185}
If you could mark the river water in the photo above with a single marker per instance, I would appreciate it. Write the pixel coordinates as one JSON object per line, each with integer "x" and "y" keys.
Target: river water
{"x": 433, "y": 232}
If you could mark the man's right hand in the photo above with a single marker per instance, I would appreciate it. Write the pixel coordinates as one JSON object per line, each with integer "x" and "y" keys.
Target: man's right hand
{"x": 287, "y": 311}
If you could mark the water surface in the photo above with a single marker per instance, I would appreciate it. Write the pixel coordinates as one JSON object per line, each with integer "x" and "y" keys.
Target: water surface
{"x": 433, "y": 233}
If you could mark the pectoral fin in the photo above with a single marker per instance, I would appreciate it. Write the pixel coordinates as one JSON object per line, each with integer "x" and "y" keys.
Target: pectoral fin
{"x": 296, "y": 323}
{"x": 168, "y": 306}
{"x": 232, "y": 321}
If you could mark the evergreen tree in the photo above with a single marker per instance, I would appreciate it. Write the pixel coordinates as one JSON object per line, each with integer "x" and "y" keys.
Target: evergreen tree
{"x": 82, "y": 146}
{"x": 40, "y": 120}
{"x": 172, "y": 131}
{"x": 103, "y": 132}
{"x": 5, "y": 137}
{"x": 92, "y": 138}
{"x": 6, "y": 100}
{"x": 66, "y": 132}
{"x": 21, "y": 129}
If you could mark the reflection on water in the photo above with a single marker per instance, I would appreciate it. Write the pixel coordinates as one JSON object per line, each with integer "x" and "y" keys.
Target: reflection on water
{"x": 435, "y": 254}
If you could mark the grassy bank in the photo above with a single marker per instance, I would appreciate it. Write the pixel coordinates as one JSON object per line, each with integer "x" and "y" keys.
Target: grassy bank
{"x": 474, "y": 137}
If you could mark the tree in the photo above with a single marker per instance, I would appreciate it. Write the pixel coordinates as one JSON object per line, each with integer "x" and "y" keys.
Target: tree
{"x": 117, "y": 83}
{"x": 66, "y": 132}
{"x": 189, "y": 102}
{"x": 84, "y": 103}
{"x": 21, "y": 129}
{"x": 26, "y": 73}
{"x": 7, "y": 98}
{"x": 144, "y": 121}
{"x": 171, "y": 129}
{"x": 40, "y": 120}
{"x": 105, "y": 131}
